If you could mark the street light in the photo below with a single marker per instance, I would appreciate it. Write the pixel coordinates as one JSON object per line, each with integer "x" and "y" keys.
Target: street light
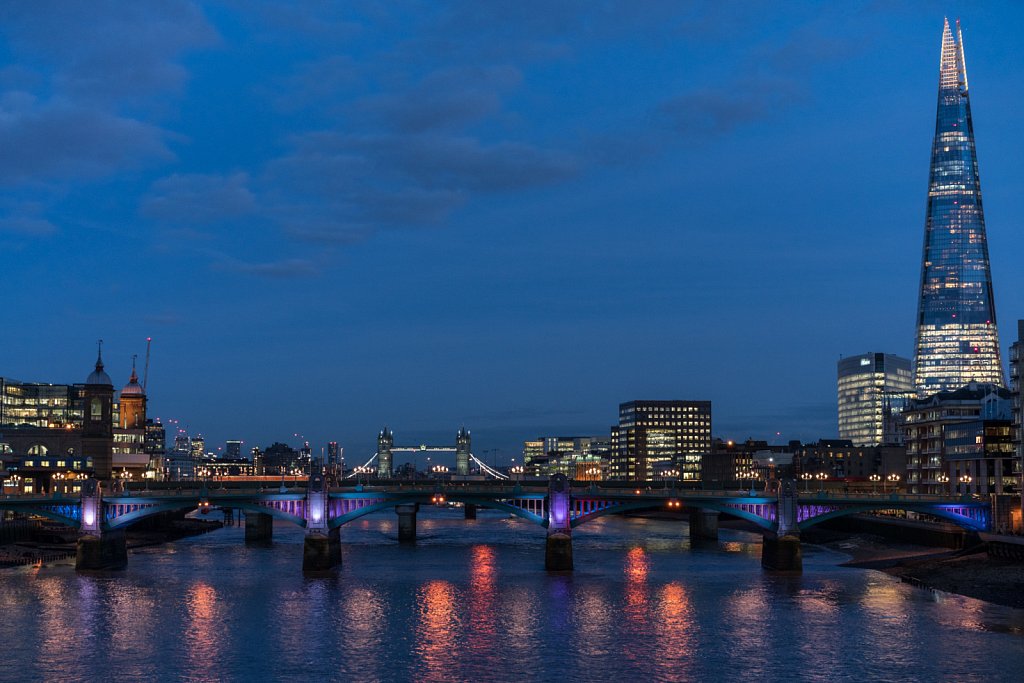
{"x": 875, "y": 478}
{"x": 943, "y": 479}
{"x": 821, "y": 477}
{"x": 669, "y": 474}
{"x": 965, "y": 479}
{"x": 516, "y": 471}
{"x": 807, "y": 476}
{"x": 894, "y": 479}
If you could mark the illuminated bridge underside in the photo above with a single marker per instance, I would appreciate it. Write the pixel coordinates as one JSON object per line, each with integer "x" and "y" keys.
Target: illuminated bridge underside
{"x": 532, "y": 505}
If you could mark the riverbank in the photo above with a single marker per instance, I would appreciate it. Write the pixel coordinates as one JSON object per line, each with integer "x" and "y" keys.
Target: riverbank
{"x": 971, "y": 573}
{"x": 63, "y": 547}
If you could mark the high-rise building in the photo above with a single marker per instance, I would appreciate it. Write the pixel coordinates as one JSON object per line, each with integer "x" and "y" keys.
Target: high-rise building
{"x": 233, "y": 449}
{"x": 654, "y": 438}
{"x": 957, "y": 339}
{"x": 870, "y": 388}
{"x": 333, "y": 453}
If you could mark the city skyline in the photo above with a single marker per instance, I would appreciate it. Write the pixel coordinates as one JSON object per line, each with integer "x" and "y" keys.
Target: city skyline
{"x": 482, "y": 278}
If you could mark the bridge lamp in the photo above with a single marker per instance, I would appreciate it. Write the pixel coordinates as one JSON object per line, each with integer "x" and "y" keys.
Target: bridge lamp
{"x": 875, "y": 478}
{"x": 807, "y": 476}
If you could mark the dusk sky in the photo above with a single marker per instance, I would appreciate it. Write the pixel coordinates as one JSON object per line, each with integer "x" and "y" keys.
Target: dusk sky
{"x": 508, "y": 215}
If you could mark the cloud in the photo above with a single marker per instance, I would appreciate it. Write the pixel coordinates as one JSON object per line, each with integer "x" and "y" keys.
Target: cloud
{"x": 721, "y": 110}
{"x": 282, "y": 269}
{"x": 446, "y": 98}
{"x": 314, "y": 84}
{"x": 199, "y": 198}
{"x": 62, "y": 140}
{"x": 26, "y": 225}
{"x": 107, "y": 49}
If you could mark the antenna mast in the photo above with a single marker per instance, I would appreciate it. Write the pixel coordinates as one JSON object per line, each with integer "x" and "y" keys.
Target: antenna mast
{"x": 145, "y": 373}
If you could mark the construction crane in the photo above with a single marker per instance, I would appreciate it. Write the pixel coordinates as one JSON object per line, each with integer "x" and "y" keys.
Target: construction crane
{"x": 145, "y": 372}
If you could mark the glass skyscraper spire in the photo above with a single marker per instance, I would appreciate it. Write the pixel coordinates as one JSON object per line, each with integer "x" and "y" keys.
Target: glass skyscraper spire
{"x": 957, "y": 340}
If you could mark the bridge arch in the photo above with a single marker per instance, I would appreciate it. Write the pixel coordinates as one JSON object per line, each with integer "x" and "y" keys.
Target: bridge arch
{"x": 151, "y": 509}
{"x": 960, "y": 520}
{"x": 715, "y": 506}
{"x": 425, "y": 499}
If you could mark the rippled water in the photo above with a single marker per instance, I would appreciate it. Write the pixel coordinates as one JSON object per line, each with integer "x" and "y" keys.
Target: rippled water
{"x": 471, "y": 601}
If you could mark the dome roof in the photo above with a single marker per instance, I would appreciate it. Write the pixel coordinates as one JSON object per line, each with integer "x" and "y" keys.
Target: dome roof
{"x": 98, "y": 376}
{"x": 133, "y": 388}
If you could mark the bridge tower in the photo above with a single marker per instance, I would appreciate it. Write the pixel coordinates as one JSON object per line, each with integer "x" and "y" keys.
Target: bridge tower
{"x": 780, "y": 551}
{"x": 462, "y": 451}
{"x": 98, "y": 421}
{"x": 385, "y": 441}
{"x": 558, "y": 551}
{"x": 322, "y": 548}
{"x": 98, "y": 549}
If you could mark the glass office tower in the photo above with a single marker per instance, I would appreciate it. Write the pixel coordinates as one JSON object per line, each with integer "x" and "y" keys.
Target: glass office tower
{"x": 872, "y": 388}
{"x": 957, "y": 341}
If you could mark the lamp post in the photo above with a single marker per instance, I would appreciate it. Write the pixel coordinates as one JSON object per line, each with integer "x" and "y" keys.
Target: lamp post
{"x": 875, "y": 478}
{"x": 669, "y": 474}
{"x": 894, "y": 479}
{"x": 821, "y": 477}
{"x": 965, "y": 479}
{"x": 943, "y": 479}
{"x": 516, "y": 471}
{"x": 807, "y": 476}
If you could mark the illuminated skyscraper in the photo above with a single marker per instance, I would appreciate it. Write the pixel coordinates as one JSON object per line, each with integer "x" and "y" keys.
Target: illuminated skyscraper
{"x": 871, "y": 387}
{"x": 957, "y": 340}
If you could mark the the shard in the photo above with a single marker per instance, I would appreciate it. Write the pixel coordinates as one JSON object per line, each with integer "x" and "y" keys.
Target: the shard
{"x": 957, "y": 338}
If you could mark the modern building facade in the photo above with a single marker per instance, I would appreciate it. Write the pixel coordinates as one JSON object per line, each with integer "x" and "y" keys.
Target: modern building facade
{"x": 871, "y": 389}
{"x": 927, "y": 422}
{"x": 40, "y": 404}
{"x": 583, "y": 458}
{"x": 654, "y": 438}
{"x": 957, "y": 338}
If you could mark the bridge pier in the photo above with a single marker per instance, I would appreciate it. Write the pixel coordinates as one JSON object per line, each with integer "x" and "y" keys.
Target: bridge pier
{"x": 703, "y": 525}
{"x": 558, "y": 548}
{"x": 106, "y": 551}
{"x": 470, "y": 510}
{"x": 98, "y": 549}
{"x": 259, "y": 528}
{"x": 407, "y": 522}
{"x": 782, "y": 553}
{"x": 322, "y": 547}
{"x": 321, "y": 551}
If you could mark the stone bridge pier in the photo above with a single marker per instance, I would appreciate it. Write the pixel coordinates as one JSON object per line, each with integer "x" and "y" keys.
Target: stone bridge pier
{"x": 259, "y": 528}
{"x": 703, "y": 525}
{"x": 98, "y": 549}
{"x": 407, "y": 522}
{"x": 321, "y": 550}
{"x": 558, "y": 550}
{"x": 781, "y": 551}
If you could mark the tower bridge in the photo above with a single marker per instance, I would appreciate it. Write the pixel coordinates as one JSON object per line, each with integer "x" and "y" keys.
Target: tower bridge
{"x": 386, "y": 449}
{"x": 558, "y": 506}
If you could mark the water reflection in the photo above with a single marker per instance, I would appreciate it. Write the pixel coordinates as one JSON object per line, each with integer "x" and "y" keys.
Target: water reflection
{"x": 482, "y": 598}
{"x": 202, "y": 630}
{"x": 636, "y": 568}
{"x": 436, "y": 631}
{"x": 674, "y": 631}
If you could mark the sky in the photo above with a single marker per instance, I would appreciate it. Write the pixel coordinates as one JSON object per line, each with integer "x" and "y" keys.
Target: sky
{"x": 507, "y": 215}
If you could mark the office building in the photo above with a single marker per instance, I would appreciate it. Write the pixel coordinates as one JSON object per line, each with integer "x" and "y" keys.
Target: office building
{"x": 957, "y": 338}
{"x": 872, "y": 389}
{"x": 654, "y": 438}
{"x": 927, "y": 420}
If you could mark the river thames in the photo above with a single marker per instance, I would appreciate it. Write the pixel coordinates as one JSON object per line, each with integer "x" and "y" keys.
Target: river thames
{"x": 471, "y": 601}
